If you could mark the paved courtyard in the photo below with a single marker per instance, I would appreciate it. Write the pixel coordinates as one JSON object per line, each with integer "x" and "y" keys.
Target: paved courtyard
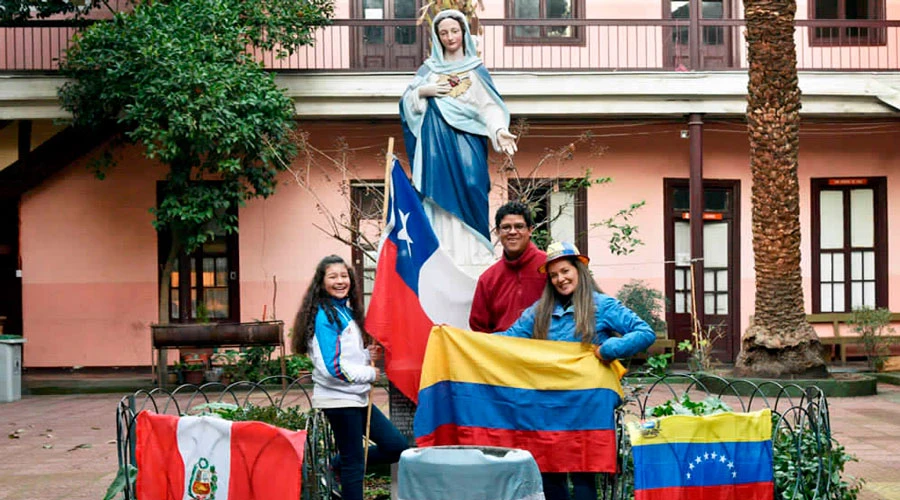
{"x": 66, "y": 449}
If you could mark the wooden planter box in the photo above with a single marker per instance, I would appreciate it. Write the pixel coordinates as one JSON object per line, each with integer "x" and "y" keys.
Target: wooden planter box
{"x": 198, "y": 335}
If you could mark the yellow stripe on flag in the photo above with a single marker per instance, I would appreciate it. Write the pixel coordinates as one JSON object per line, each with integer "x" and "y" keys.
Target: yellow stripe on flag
{"x": 721, "y": 427}
{"x": 462, "y": 356}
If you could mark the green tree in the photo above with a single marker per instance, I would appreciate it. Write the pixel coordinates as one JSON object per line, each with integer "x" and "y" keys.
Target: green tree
{"x": 178, "y": 79}
{"x": 779, "y": 341}
{"x": 23, "y": 10}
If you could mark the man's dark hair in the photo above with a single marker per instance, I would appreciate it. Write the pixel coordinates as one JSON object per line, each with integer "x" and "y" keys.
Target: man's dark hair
{"x": 514, "y": 208}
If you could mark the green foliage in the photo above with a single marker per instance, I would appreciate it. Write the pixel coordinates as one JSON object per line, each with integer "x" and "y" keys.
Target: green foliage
{"x": 798, "y": 456}
{"x": 177, "y": 78}
{"x": 125, "y": 475}
{"x": 21, "y": 10}
{"x": 658, "y": 364}
{"x": 292, "y": 418}
{"x": 873, "y": 325}
{"x": 646, "y": 302}
{"x": 684, "y": 406}
{"x": 700, "y": 347}
{"x": 624, "y": 237}
{"x": 254, "y": 364}
{"x": 297, "y": 364}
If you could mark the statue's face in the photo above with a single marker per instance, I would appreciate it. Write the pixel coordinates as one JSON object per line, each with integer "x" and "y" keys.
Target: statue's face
{"x": 450, "y": 33}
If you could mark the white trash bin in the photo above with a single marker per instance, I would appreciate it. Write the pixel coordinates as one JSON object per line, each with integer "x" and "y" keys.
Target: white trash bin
{"x": 10, "y": 368}
{"x": 468, "y": 473}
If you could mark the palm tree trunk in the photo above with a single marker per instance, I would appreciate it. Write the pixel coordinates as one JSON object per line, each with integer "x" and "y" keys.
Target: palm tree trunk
{"x": 779, "y": 342}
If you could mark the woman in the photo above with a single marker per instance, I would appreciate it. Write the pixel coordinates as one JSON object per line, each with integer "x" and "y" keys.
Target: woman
{"x": 573, "y": 309}
{"x": 328, "y": 328}
{"x": 449, "y": 112}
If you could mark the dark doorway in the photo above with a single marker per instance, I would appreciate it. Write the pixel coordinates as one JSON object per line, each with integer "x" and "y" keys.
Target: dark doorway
{"x": 10, "y": 267}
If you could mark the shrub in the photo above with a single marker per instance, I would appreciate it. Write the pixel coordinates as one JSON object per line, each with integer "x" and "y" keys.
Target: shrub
{"x": 646, "y": 302}
{"x": 873, "y": 325}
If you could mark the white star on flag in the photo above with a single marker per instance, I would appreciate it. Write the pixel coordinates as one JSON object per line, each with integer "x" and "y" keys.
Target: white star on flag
{"x": 403, "y": 234}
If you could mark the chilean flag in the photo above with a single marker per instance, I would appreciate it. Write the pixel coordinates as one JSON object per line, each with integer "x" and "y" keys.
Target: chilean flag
{"x": 417, "y": 286}
{"x": 209, "y": 458}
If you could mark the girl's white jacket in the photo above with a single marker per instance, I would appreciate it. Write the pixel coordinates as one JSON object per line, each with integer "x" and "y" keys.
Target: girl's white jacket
{"x": 341, "y": 367}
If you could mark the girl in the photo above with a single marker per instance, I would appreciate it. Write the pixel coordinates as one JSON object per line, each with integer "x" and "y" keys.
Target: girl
{"x": 573, "y": 309}
{"x": 328, "y": 328}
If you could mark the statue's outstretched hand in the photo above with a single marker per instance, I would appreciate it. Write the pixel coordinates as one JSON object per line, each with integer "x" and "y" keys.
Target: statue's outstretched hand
{"x": 435, "y": 90}
{"x": 506, "y": 141}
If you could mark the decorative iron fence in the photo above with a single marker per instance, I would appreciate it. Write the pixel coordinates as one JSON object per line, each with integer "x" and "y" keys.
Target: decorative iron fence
{"x": 357, "y": 45}
{"x": 806, "y": 465}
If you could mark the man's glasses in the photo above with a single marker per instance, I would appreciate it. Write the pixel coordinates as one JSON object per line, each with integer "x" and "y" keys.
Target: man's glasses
{"x": 508, "y": 228}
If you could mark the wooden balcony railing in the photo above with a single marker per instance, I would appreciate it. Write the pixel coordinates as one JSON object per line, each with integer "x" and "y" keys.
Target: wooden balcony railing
{"x": 540, "y": 45}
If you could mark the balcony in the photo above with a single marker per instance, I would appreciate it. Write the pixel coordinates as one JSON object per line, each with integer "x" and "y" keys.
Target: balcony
{"x": 582, "y": 45}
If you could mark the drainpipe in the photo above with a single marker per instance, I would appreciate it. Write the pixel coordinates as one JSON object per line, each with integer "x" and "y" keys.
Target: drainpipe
{"x": 695, "y": 128}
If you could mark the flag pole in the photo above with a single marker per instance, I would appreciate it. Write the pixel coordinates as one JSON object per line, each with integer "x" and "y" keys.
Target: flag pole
{"x": 388, "y": 162}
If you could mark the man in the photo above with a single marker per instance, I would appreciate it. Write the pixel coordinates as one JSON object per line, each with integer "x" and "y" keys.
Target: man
{"x": 513, "y": 284}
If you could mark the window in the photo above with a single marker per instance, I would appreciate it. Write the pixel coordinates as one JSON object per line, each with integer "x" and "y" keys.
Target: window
{"x": 717, "y": 210}
{"x": 203, "y": 286}
{"x": 367, "y": 219}
{"x": 560, "y": 210}
{"x": 525, "y": 34}
{"x": 709, "y": 9}
{"x": 849, "y": 254}
{"x": 847, "y": 10}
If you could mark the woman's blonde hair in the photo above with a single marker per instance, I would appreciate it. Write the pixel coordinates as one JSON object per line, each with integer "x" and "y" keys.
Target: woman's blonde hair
{"x": 582, "y": 301}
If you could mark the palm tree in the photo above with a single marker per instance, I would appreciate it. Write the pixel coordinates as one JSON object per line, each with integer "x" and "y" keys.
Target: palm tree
{"x": 779, "y": 342}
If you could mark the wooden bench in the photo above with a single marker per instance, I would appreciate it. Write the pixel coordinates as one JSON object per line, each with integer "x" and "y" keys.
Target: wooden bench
{"x": 838, "y": 341}
{"x": 194, "y": 335}
{"x": 666, "y": 345}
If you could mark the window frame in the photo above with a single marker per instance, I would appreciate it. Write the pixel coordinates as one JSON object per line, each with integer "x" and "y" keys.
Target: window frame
{"x": 358, "y": 189}
{"x": 578, "y": 32}
{"x": 183, "y": 267}
{"x": 580, "y": 209}
{"x": 877, "y": 12}
{"x": 880, "y": 214}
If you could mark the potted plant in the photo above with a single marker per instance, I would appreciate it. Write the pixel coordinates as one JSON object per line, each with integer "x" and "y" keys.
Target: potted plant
{"x": 173, "y": 377}
{"x": 298, "y": 365}
{"x": 228, "y": 362}
{"x": 193, "y": 373}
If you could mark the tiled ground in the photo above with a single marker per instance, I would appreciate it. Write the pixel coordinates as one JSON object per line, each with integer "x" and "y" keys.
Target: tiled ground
{"x": 65, "y": 447}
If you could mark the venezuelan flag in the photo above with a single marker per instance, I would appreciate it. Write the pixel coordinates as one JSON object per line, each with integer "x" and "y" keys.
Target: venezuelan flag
{"x": 713, "y": 457}
{"x": 553, "y": 399}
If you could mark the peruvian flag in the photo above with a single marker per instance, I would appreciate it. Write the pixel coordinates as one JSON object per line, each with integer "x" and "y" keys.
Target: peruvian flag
{"x": 417, "y": 285}
{"x": 209, "y": 458}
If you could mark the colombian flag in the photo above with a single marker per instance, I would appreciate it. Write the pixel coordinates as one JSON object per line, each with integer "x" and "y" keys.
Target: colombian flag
{"x": 551, "y": 398}
{"x": 713, "y": 457}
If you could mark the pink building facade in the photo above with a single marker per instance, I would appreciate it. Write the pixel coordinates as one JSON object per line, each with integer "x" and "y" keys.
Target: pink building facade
{"x": 81, "y": 260}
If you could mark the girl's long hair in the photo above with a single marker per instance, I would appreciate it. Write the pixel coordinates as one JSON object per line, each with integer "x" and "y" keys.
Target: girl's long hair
{"x": 582, "y": 300}
{"x": 316, "y": 297}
